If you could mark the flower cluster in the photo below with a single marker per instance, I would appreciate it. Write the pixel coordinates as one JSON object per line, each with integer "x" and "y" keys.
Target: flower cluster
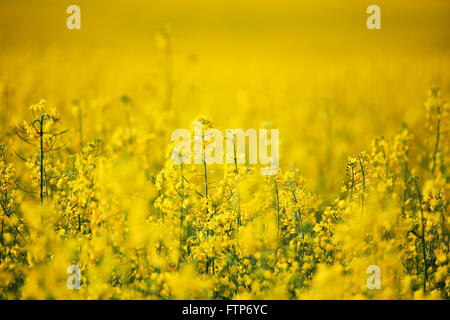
{"x": 139, "y": 226}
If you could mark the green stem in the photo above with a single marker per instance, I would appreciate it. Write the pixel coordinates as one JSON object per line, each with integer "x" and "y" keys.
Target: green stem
{"x": 237, "y": 186}
{"x": 405, "y": 190}
{"x": 436, "y": 145}
{"x": 364, "y": 183}
{"x": 41, "y": 162}
{"x": 278, "y": 205}
{"x": 353, "y": 183}
{"x": 80, "y": 120}
{"x": 424, "y": 248}
{"x": 205, "y": 176}
{"x": 299, "y": 215}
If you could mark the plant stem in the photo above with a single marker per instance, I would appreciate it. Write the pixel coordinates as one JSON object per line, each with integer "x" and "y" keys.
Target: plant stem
{"x": 237, "y": 186}
{"x": 424, "y": 248}
{"x": 364, "y": 183}
{"x": 205, "y": 176}
{"x": 299, "y": 215}
{"x": 41, "y": 162}
{"x": 353, "y": 183}
{"x": 405, "y": 189}
{"x": 436, "y": 145}
{"x": 278, "y": 205}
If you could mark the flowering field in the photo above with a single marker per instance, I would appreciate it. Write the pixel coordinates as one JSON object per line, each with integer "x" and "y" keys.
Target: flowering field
{"x": 94, "y": 207}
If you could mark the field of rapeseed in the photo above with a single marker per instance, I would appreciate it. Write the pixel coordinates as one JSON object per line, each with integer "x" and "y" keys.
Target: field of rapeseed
{"x": 93, "y": 207}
